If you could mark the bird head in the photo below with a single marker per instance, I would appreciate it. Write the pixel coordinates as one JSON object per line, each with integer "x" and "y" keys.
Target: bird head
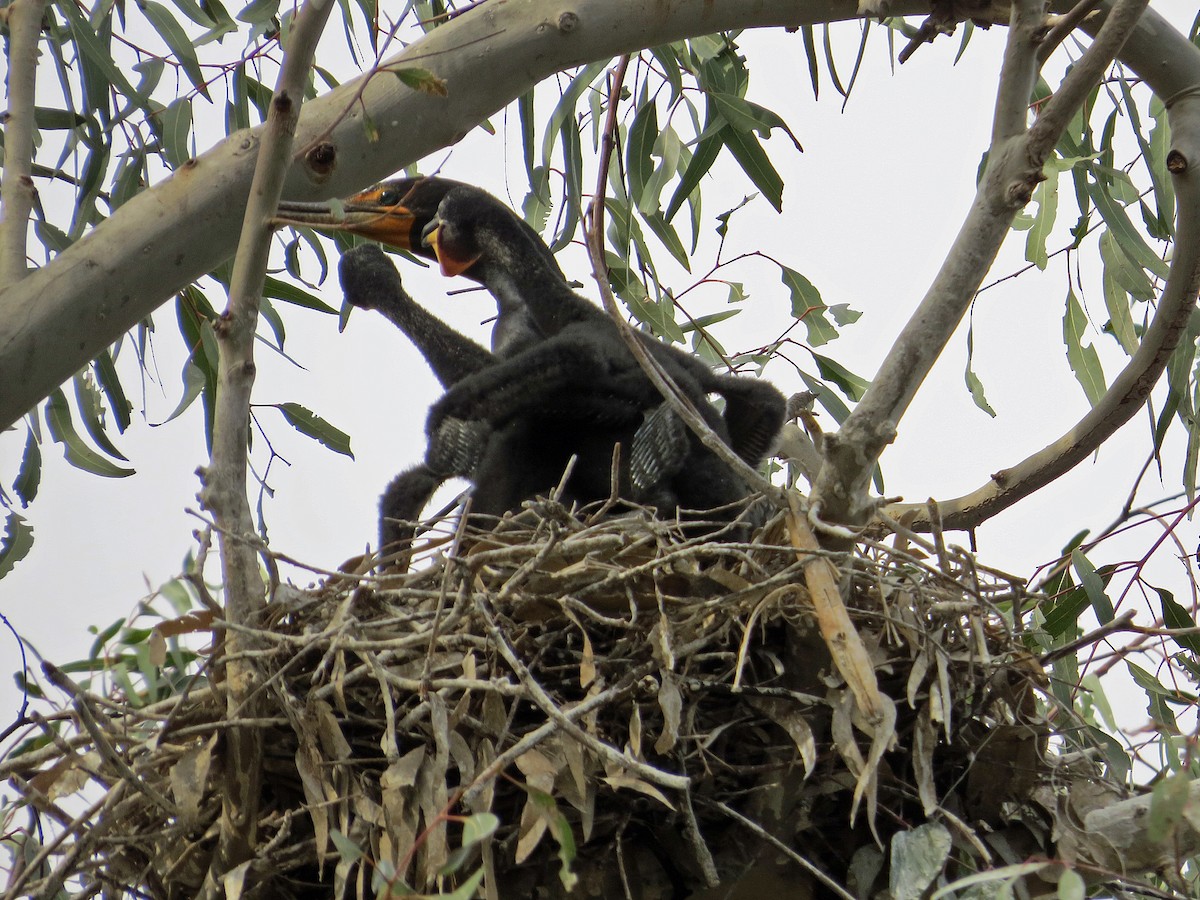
{"x": 396, "y": 213}
{"x": 462, "y": 227}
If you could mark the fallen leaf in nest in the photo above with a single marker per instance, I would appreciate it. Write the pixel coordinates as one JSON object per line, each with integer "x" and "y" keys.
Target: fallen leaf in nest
{"x": 539, "y": 774}
{"x": 66, "y": 776}
{"x": 788, "y": 716}
{"x": 670, "y": 701}
{"x": 189, "y": 777}
{"x": 617, "y": 780}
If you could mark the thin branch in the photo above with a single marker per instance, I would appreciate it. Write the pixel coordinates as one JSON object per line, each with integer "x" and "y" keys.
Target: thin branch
{"x": 1015, "y": 165}
{"x": 16, "y": 188}
{"x": 224, "y": 490}
{"x": 1062, "y": 26}
{"x": 841, "y": 491}
{"x": 1057, "y": 112}
{"x": 670, "y": 391}
{"x": 1128, "y": 391}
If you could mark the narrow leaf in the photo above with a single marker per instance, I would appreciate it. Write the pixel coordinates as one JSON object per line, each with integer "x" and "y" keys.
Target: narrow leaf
{"x": 29, "y": 475}
{"x": 77, "y": 453}
{"x": 1045, "y": 195}
{"x": 756, "y": 164}
{"x": 1127, "y": 236}
{"x": 309, "y": 423}
{"x": 1093, "y": 585}
{"x": 1175, "y": 616}
{"x": 974, "y": 385}
{"x": 177, "y": 39}
{"x": 1084, "y": 360}
{"x": 16, "y": 542}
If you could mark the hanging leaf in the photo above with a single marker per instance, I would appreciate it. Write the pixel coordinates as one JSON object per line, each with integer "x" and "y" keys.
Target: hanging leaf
{"x": 1045, "y": 195}
{"x": 974, "y": 385}
{"x": 1093, "y": 586}
{"x": 309, "y": 423}
{"x": 1083, "y": 359}
{"x": 1126, "y": 235}
{"x": 177, "y": 39}
{"x": 29, "y": 475}
{"x": 1175, "y": 616}
{"x": 77, "y": 453}
{"x": 16, "y": 543}
{"x": 756, "y": 164}
{"x": 853, "y": 386}
{"x": 638, "y": 162}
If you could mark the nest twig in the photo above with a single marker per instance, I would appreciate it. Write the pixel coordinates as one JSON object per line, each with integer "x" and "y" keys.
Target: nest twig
{"x": 623, "y": 699}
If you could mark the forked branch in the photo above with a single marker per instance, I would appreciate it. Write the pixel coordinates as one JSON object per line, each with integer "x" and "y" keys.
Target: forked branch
{"x": 1015, "y": 161}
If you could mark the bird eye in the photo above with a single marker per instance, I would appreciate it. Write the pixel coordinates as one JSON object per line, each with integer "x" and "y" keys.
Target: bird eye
{"x": 389, "y": 197}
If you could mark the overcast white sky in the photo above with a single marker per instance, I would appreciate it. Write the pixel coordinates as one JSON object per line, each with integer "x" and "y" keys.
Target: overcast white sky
{"x": 869, "y": 210}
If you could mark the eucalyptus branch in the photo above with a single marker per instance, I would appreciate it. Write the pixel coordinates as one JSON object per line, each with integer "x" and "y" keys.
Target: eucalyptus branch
{"x": 1061, "y": 26}
{"x": 594, "y": 228}
{"x": 16, "y": 188}
{"x": 1015, "y": 163}
{"x": 1128, "y": 391}
{"x": 224, "y": 490}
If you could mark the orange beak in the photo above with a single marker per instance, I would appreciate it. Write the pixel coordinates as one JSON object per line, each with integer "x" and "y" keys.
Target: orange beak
{"x": 395, "y": 225}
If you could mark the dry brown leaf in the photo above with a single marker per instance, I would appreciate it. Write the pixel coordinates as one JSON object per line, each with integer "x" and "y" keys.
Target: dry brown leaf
{"x": 617, "y": 779}
{"x": 191, "y": 623}
{"x": 670, "y": 701}
{"x": 189, "y": 779}
{"x": 635, "y": 731}
{"x": 539, "y": 772}
{"x": 924, "y": 741}
{"x": 587, "y": 662}
{"x": 308, "y": 766}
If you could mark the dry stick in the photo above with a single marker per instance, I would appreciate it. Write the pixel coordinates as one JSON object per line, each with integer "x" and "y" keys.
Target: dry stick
{"x": 16, "y": 188}
{"x": 100, "y": 740}
{"x": 845, "y": 646}
{"x": 1015, "y": 163}
{"x": 539, "y": 734}
{"x": 224, "y": 490}
{"x": 82, "y": 823}
{"x": 781, "y": 847}
{"x": 546, "y": 703}
{"x": 670, "y": 391}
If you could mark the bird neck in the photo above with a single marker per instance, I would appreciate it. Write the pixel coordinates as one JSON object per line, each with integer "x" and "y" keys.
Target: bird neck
{"x": 551, "y": 305}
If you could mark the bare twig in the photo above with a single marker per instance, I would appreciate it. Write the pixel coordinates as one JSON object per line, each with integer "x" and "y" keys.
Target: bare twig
{"x": 594, "y": 227}
{"x": 224, "y": 491}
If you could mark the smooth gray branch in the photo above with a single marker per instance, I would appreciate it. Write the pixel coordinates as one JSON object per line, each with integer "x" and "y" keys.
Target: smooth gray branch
{"x": 1015, "y": 163}
{"x": 16, "y": 188}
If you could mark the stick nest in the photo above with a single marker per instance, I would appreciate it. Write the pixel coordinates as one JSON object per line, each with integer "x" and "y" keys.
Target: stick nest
{"x": 643, "y": 716}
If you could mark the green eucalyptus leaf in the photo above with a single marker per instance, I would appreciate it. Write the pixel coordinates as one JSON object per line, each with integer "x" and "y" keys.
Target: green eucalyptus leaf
{"x": 76, "y": 451}
{"x": 1093, "y": 586}
{"x": 1083, "y": 359}
{"x": 29, "y": 475}
{"x": 177, "y": 39}
{"x": 309, "y": 423}
{"x": 16, "y": 542}
{"x": 756, "y": 164}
